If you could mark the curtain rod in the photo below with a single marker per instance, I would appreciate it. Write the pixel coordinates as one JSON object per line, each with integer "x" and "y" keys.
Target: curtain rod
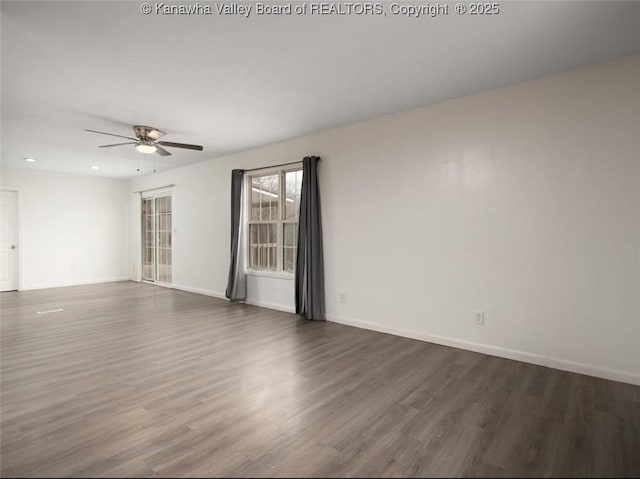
{"x": 156, "y": 188}
{"x": 274, "y": 166}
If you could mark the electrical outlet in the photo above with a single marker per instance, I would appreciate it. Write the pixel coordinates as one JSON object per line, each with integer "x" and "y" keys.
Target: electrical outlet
{"x": 342, "y": 297}
{"x": 479, "y": 318}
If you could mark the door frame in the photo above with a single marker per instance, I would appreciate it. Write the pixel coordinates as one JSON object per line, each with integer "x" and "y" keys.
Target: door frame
{"x": 156, "y": 193}
{"x": 19, "y": 232}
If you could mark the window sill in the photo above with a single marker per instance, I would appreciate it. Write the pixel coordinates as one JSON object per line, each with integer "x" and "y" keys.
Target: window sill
{"x": 270, "y": 274}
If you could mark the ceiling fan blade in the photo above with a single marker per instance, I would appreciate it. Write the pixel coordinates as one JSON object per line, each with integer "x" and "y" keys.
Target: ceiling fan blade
{"x": 111, "y": 134}
{"x": 161, "y": 151}
{"x": 181, "y": 145}
{"x": 118, "y": 144}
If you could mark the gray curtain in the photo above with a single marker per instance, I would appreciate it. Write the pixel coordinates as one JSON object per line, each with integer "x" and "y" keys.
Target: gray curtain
{"x": 237, "y": 282}
{"x": 310, "y": 259}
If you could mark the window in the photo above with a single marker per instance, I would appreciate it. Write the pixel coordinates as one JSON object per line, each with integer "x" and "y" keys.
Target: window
{"x": 274, "y": 205}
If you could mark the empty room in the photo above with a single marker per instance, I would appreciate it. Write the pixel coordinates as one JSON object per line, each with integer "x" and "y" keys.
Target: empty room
{"x": 320, "y": 239}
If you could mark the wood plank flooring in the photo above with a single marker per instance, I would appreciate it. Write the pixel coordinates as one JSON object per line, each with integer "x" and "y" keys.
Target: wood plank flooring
{"x": 137, "y": 380}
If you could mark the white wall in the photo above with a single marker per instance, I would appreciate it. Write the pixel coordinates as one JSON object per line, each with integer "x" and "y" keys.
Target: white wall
{"x": 522, "y": 201}
{"x": 73, "y": 229}
{"x": 200, "y": 220}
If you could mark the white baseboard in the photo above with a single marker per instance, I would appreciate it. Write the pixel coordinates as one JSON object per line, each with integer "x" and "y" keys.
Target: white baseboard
{"x": 216, "y": 294}
{"x": 65, "y": 284}
{"x": 556, "y": 363}
{"x": 277, "y": 307}
{"x": 551, "y": 362}
{"x": 205, "y": 292}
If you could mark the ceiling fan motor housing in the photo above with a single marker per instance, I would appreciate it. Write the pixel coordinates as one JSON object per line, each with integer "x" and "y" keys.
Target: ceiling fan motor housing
{"x": 147, "y": 132}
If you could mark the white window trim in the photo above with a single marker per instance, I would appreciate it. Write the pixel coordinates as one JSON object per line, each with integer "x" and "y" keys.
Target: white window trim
{"x": 278, "y": 273}
{"x": 270, "y": 274}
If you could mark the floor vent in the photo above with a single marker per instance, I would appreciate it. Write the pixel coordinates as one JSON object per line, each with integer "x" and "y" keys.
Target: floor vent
{"x": 49, "y": 311}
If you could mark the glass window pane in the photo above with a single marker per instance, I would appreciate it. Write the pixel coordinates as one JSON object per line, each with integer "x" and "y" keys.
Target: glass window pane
{"x": 263, "y": 245}
{"x": 289, "y": 260}
{"x": 266, "y": 189}
{"x": 265, "y": 192}
{"x": 273, "y": 234}
{"x": 293, "y": 180}
{"x": 267, "y": 198}
{"x": 255, "y": 198}
{"x": 275, "y": 195}
{"x": 253, "y": 241}
{"x": 290, "y": 232}
{"x": 273, "y": 245}
{"x": 265, "y": 207}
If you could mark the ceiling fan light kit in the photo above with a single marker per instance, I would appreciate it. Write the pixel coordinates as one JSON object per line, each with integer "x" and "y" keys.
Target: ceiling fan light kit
{"x": 146, "y": 147}
{"x": 146, "y": 141}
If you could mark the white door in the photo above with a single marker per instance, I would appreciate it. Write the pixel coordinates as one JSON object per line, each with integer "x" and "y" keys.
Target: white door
{"x": 9, "y": 241}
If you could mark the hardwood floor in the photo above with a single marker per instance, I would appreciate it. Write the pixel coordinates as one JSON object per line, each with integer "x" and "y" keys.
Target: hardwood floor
{"x": 136, "y": 380}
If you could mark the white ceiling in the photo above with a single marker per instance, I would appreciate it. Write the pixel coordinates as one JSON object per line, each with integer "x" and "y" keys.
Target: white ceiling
{"x": 232, "y": 83}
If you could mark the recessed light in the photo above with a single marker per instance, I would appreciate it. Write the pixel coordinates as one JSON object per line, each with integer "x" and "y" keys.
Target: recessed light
{"x": 30, "y": 160}
{"x": 94, "y": 167}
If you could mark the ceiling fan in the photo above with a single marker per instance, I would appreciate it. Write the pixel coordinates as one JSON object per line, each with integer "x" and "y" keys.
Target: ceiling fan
{"x": 146, "y": 141}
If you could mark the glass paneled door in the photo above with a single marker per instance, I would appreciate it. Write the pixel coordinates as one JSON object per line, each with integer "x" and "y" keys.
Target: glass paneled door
{"x": 156, "y": 239}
